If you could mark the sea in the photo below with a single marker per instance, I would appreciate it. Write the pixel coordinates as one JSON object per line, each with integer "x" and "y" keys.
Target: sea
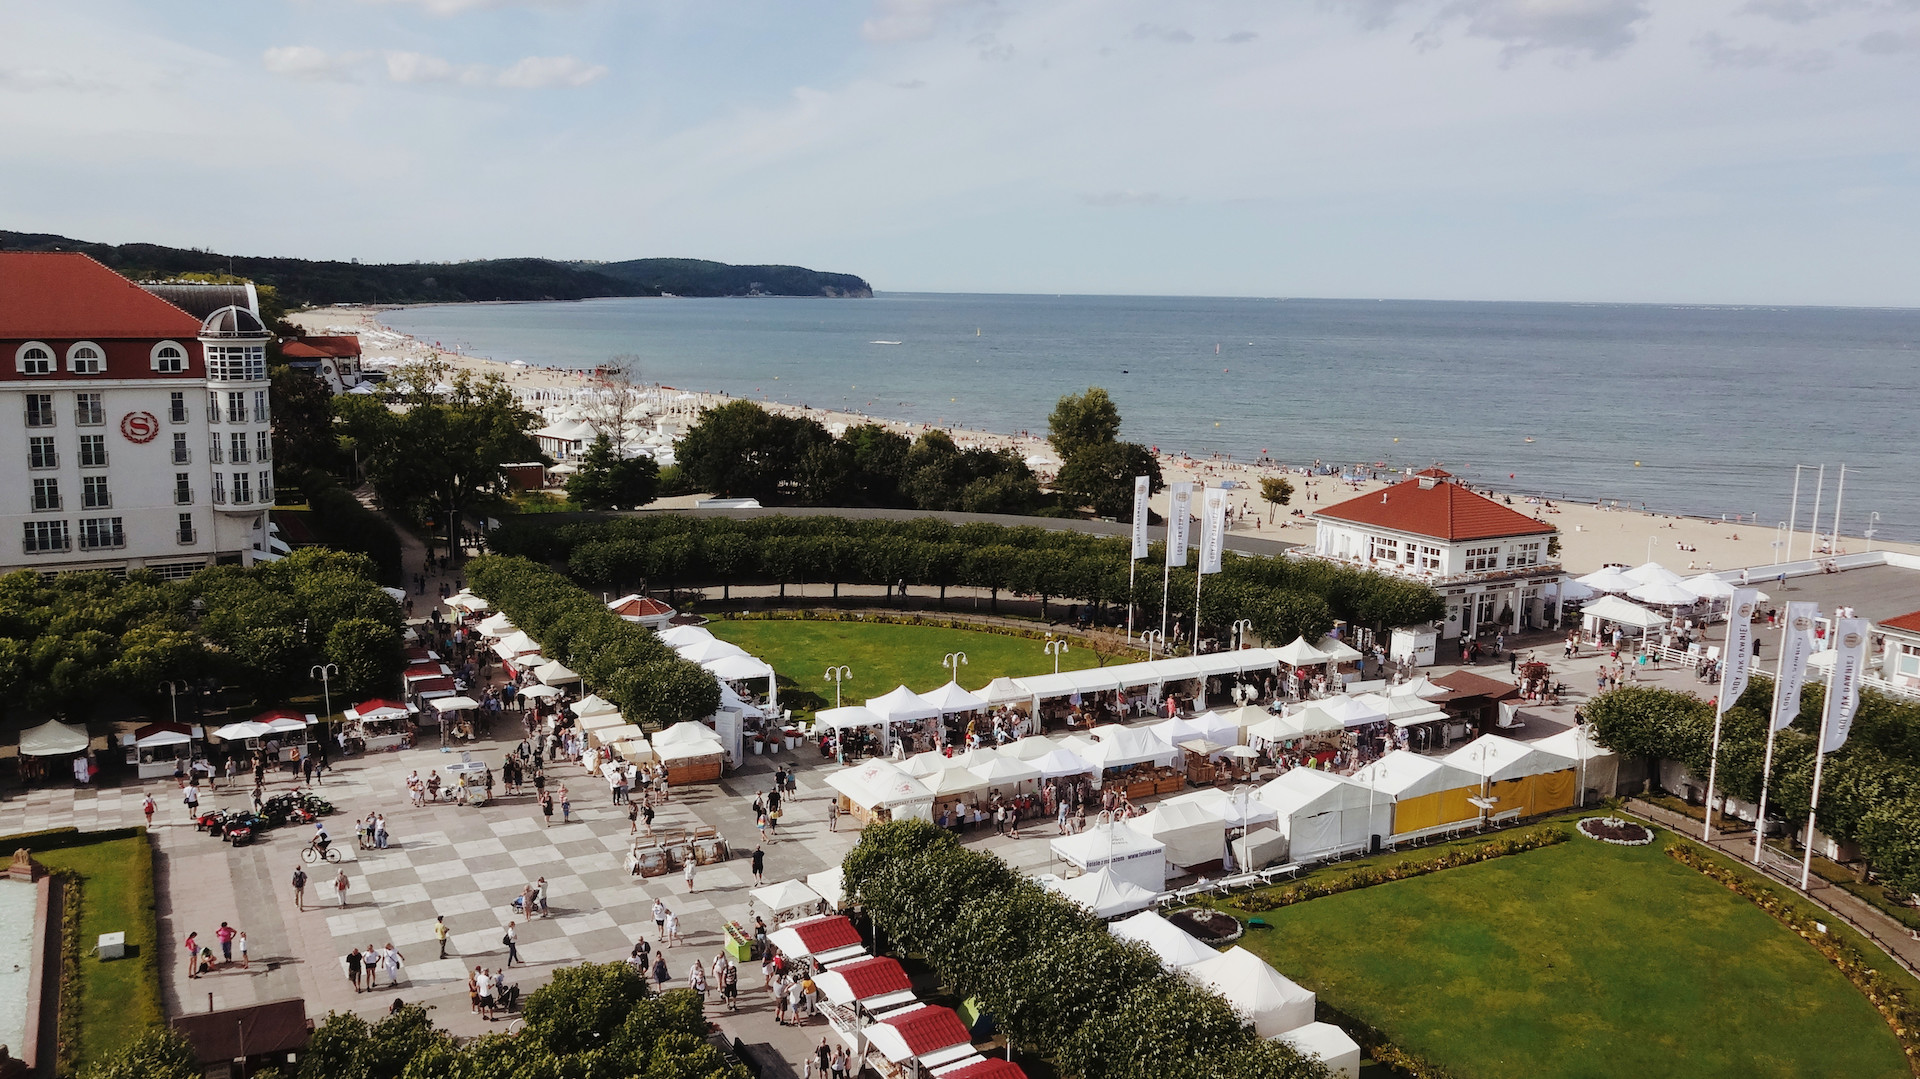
{"x": 1697, "y": 410}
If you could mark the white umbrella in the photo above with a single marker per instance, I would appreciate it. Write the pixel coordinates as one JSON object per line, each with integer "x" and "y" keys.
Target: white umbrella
{"x": 234, "y": 732}
{"x": 539, "y": 692}
{"x": 736, "y": 668}
{"x": 1610, "y": 579}
{"x": 1664, "y": 594}
{"x": 1650, "y": 572}
{"x": 1568, "y": 590}
{"x": 1708, "y": 586}
{"x": 454, "y": 704}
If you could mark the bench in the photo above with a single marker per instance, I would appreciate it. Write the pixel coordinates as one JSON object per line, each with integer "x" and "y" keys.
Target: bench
{"x": 1291, "y": 869}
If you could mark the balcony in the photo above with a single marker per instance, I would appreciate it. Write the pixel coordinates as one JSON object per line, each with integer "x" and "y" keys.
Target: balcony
{"x": 182, "y": 455}
{"x": 183, "y": 496}
{"x": 96, "y": 500}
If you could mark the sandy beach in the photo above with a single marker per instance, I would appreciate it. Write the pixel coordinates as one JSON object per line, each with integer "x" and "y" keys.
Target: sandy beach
{"x": 1590, "y": 535}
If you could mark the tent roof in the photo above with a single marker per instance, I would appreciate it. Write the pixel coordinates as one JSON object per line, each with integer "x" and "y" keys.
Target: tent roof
{"x": 1310, "y": 789}
{"x": 1313, "y": 719}
{"x": 1401, "y": 774}
{"x": 1005, "y": 769}
{"x": 708, "y": 650}
{"x": 1030, "y": 748}
{"x": 948, "y": 781}
{"x": 831, "y": 884}
{"x": 736, "y": 668}
{"x": 1175, "y": 946}
{"x": 517, "y": 643}
{"x": 877, "y": 783}
{"x": 901, "y": 703}
{"x": 554, "y": 672}
{"x": 1650, "y": 572}
{"x": 53, "y": 739}
{"x": 863, "y": 979}
{"x": 1337, "y": 650}
{"x": 918, "y": 1032}
{"x": 1114, "y": 746}
{"x": 1615, "y": 609}
{"x": 812, "y": 936}
{"x": 676, "y": 636}
{"x": 1062, "y": 762}
{"x": 951, "y": 698}
{"x": 1572, "y": 743}
{"x": 1106, "y": 842}
{"x": 686, "y": 732}
{"x": 594, "y": 705}
{"x": 852, "y": 715}
{"x": 1352, "y": 711}
{"x": 1249, "y": 983}
{"x": 785, "y": 895}
{"x": 1101, "y": 892}
{"x": 1498, "y": 759}
{"x": 1225, "y": 806}
{"x": 1608, "y": 579}
{"x": 1299, "y": 653}
{"x": 1004, "y": 690}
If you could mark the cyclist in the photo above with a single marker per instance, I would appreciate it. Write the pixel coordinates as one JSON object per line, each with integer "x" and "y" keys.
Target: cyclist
{"x": 321, "y": 840}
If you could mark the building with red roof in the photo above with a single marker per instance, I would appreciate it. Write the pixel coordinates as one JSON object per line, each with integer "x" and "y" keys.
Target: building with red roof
{"x": 1900, "y": 662}
{"x": 333, "y": 359}
{"x": 928, "y": 1033}
{"x": 145, "y": 430}
{"x": 1493, "y": 563}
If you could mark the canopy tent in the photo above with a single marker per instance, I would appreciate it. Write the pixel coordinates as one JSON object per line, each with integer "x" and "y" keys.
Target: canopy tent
{"x": 1426, "y": 792}
{"x": 1236, "y": 810}
{"x": 738, "y": 668}
{"x": 496, "y": 625}
{"x": 922, "y": 765}
{"x": 1176, "y": 729}
{"x": 1609, "y": 579}
{"x": 1315, "y": 719}
{"x": 284, "y": 722}
{"x": 877, "y": 785}
{"x": 1272, "y": 1001}
{"x": 1067, "y": 683}
{"x": 1061, "y": 763}
{"x": 1422, "y": 687}
{"x": 1114, "y": 746}
{"x": 161, "y": 734}
{"x": 1101, "y": 892}
{"x": 1275, "y": 729}
{"x": 594, "y": 705}
{"x": 1615, "y": 609}
{"x": 601, "y": 721}
{"x": 1004, "y": 690}
{"x": 1337, "y": 650}
{"x": 953, "y": 782}
{"x": 555, "y": 673}
{"x": 1517, "y": 775}
{"x": 1323, "y": 814}
{"x": 538, "y": 692}
{"x": 950, "y": 698}
{"x": 686, "y": 732}
{"x": 1596, "y": 767}
{"x": 680, "y": 636}
{"x": 1653, "y": 573}
{"x": 1351, "y": 711}
{"x": 1329, "y": 1045}
{"x": 635, "y": 751}
{"x": 928, "y": 1033}
{"x": 621, "y": 732}
{"x": 452, "y": 704}
{"x": 1245, "y": 716}
{"x": 1176, "y": 947}
{"x": 708, "y": 650}
{"x": 53, "y": 739}
{"x": 1300, "y": 654}
{"x": 831, "y": 884}
{"x": 1665, "y": 594}
{"x": 467, "y": 601}
{"x": 1030, "y": 748}
{"x": 1132, "y": 855}
{"x": 1259, "y": 848}
{"x": 516, "y": 643}
{"x": 247, "y": 728}
{"x": 1405, "y": 710}
{"x": 785, "y": 895}
{"x": 1005, "y": 770}
{"x": 851, "y": 716}
{"x": 899, "y": 705}
{"x": 1191, "y": 834}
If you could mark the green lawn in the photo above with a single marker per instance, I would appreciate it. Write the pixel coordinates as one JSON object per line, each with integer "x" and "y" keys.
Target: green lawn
{"x": 1579, "y": 960}
{"x": 116, "y": 895}
{"x": 884, "y": 655}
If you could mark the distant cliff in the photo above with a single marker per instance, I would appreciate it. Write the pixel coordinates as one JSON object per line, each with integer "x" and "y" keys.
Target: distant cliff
{"x": 305, "y": 281}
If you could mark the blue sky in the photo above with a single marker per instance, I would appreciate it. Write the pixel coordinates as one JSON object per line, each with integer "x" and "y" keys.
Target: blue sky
{"x": 1724, "y": 151}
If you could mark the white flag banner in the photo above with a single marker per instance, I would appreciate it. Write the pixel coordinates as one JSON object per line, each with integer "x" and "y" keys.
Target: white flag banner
{"x": 1796, "y": 648}
{"x": 1737, "y": 660}
{"x": 1213, "y": 528}
{"x": 1179, "y": 508}
{"x": 1843, "y": 686}
{"x": 1139, "y": 517}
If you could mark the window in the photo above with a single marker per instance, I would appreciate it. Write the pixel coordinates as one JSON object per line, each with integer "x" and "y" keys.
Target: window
{"x": 181, "y": 454}
{"x": 237, "y": 447}
{"x": 266, "y": 486}
{"x": 44, "y": 536}
{"x": 1383, "y": 549}
{"x": 39, "y": 410}
{"x": 219, "y": 488}
{"x": 236, "y": 408}
{"x": 177, "y": 407}
{"x": 241, "y": 491}
{"x": 89, "y": 409}
{"x": 46, "y": 494}
{"x": 169, "y": 358}
{"x": 93, "y": 493}
{"x": 214, "y": 453}
{"x": 242, "y": 363}
{"x": 213, "y": 407}
{"x": 178, "y": 571}
{"x": 1908, "y": 661}
{"x": 1482, "y": 558}
{"x": 98, "y": 532}
{"x": 259, "y": 406}
{"x": 185, "y": 531}
{"x": 86, "y": 358}
{"x": 1524, "y": 554}
{"x": 1429, "y": 557}
{"x": 263, "y": 446}
{"x": 183, "y": 489}
{"x": 33, "y": 358}
{"x": 93, "y": 451}
{"x": 41, "y": 452}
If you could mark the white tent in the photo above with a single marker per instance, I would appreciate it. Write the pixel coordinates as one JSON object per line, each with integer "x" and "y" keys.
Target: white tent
{"x": 738, "y": 668}
{"x": 922, "y": 765}
{"x": 785, "y": 895}
{"x": 1176, "y": 729}
{"x": 537, "y": 692}
{"x": 452, "y": 704}
{"x": 1274, "y": 1002}
{"x": 876, "y": 784}
{"x": 1313, "y": 719}
{"x": 1351, "y": 711}
{"x": 1323, "y": 814}
{"x": 1245, "y": 716}
{"x": 1235, "y": 810}
{"x": 1101, "y": 892}
{"x": 516, "y": 643}
{"x": 1426, "y": 792}
{"x": 467, "y": 601}
{"x": 708, "y": 650}
{"x": 950, "y": 698}
{"x": 1274, "y": 729}
{"x": 1132, "y": 855}
{"x": 594, "y": 705}
{"x": 831, "y": 884}
{"x": 1004, "y": 690}
{"x": 1652, "y": 572}
{"x": 952, "y": 782}
{"x": 246, "y": 728}
{"x": 1191, "y": 834}
{"x": 1615, "y": 609}
{"x": 1665, "y": 594}
{"x": 1176, "y": 947}
{"x": 679, "y": 636}
{"x": 1422, "y": 687}
{"x": 1337, "y": 650}
{"x": 1566, "y": 590}
{"x": 1299, "y": 654}
{"x": 1709, "y": 586}
{"x": 686, "y": 733}
{"x": 1599, "y": 767}
{"x": 1066, "y": 683}
{"x": 901, "y": 703}
{"x": 1259, "y": 848}
{"x": 1518, "y": 776}
{"x": 1030, "y": 748}
{"x": 53, "y": 739}
{"x": 555, "y": 673}
{"x": 496, "y": 625}
{"x": 1114, "y": 746}
{"x": 1609, "y": 579}
{"x": 1062, "y": 762}
{"x": 1005, "y": 770}
{"x": 1329, "y": 1045}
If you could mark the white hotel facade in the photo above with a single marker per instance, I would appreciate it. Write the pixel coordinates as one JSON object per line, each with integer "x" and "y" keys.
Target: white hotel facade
{"x": 143, "y": 435}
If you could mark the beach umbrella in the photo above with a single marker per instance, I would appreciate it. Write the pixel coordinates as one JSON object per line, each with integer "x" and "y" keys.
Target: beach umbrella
{"x": 1664, "y": 594}
{"x": 1610, "y": 579}
{"x": 1651, "y": 572}
{"x": 1709, "y": 586}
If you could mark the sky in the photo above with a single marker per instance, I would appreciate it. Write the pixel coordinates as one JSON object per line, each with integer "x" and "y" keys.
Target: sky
{"x": 1694, "y": 151}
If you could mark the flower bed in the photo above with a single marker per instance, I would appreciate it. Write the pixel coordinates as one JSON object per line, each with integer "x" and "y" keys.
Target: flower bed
{"x": 1621, "y": 833}
{"x": 1208, "y": 926}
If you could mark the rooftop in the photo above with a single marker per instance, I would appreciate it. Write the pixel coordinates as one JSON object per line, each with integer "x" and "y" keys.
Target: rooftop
{"x": 67, "y": 295}
{"x": 1430, "y": 505}
{"x": 1908, "y": 622}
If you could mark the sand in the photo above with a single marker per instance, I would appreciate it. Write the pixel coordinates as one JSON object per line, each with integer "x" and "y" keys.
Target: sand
{"x": 1591, "y": 536}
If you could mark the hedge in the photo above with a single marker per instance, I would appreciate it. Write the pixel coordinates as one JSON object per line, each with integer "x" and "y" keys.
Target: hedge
{"x": 623, "y": 661}
{"x": 1284, "y": 598}
{"x": 344, "y": 523}
{"x": 1368, "y": 876}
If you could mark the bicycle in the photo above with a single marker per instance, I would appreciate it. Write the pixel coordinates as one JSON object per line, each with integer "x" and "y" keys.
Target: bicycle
{"x": 312, "y": 853}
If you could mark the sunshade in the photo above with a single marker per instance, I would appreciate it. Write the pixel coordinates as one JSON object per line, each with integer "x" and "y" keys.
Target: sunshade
{"x": 1665, "y": 594}
{"x": 52, "y": 739}
{"x": 737, "y": 668}
{"x": 538, "y": 692}
{"x": 555, "y": 673}
{"x": 786, "y": 895}
{"x": 1652, "y": 573}
{"x": 454, "y": 704}
{"x": 951, "y": 698}
{"x": 1609, "y": 579}
{"x": 1709, "y": 586}
{"x": 1299, "y": 654}
{"x": 286, "y": 725}
{"x": 593, "y": 705}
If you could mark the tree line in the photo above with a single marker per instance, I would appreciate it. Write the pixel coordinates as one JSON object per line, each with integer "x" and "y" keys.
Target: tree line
{"x": 623, "y": 661}
{"x": 1870, "y": 789}
{"x": 1283, "y": 598}
{"x": 1047, "y": 970}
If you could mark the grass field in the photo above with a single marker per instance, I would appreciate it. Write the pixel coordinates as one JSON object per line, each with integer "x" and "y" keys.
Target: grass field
{"x": 1580, "y": 960}
{"x": 883, "y": 655}
{"x": 116, "y": 895}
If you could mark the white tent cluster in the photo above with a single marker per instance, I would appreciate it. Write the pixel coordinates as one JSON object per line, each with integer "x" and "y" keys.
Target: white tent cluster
{"x": 1628, "y": 597}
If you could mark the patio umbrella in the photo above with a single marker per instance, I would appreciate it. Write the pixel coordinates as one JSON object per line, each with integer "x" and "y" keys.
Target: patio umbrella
{"x": 1709, "y": 586}
{"x": 1664, "y": 594}
{"x": 234, "y": 732}
{"x": 1650, "y": 572}
{"x": 1610, "y": 579}
{"x": 539, "y": 692}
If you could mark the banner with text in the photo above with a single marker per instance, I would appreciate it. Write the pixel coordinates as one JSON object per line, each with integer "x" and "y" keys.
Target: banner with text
{"x": 1179, "y": 507}
{"x": 1139, "y": 517}
{"x": 1796, "y": 647}
{"x": 1737, "y": 660}
{"x": 1843, "y": 685}
{"x": 1213, "y": 529}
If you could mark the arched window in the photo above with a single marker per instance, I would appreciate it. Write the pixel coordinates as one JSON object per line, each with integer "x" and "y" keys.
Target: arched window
{"x": 169, "y": 357}
{"x": 86, "y": 358}
{"x": 33, "y": 358}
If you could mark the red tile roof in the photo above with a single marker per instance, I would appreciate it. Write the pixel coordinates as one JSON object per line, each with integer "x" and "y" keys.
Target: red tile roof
{"x": 1906, "y": 621}
{"x": 1468, "y": 684}
{"x": 642, "y": 607}
{"x": 280, "y": 713}
{"x": 930, "y": 1029}
{"x": 315, "y": 348}
{"x": 990, "y": 1068}
{"x": 874, "y": 977}
{"x": 826, "y": 934}
{"x": 1441, "y": 510}
{"x": 67, "y": 295}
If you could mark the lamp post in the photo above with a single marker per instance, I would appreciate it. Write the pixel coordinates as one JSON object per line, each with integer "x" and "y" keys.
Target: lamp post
{"x": 1873, "y": 528}
{"x": 172, "y": 687}
{"x": 1150, "y": 638}
{"x": 1056, "y": 647}
{"x": 837, "y": 675}
{"x": 325, "y": 672}
{"x": 1780, "y": 534}
{"x": 953, "y": 661}
{"x": 1239, "y": 631}
{"x": 1650, "y": 540}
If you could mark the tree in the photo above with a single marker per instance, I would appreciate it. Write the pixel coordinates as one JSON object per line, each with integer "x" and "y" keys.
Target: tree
{"x": 1102, "y": 476}
{"x": 368, "y": 655}
{"x": 1081, "y": 420}
{"x": 824, "y": 475}
{"x": 740, "y": 450}
{"x": 1275, "y": 491}
{"x": 582, "y": 1004}
{"x": 879, "y": 462}
{"x": 729, "y": 555}
{"x": 303, "y": 434}
{"x": 153, "y": 1053}
{"x": 605, "y": 481}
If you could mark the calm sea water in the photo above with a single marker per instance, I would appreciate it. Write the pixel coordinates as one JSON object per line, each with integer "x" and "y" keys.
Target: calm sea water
{"x": 1699, "y": 410}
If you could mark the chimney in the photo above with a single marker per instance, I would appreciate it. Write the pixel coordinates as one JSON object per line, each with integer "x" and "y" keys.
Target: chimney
{"x": 1383, "y": 496}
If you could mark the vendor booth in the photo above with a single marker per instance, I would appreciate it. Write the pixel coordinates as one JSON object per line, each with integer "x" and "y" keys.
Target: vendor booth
{"x": 1237, "y": 808}
{"x": 1060, "y": 763}
{"x": 856, "y": 728}
{"x": 1258, "y": 849}
{"x": 1106, "y": 895}
{"x": 456, "y": 717}
{"x": 1519, "y": 780}
{"x": 1324, "y": 815}
{"x": 1128, "y": 755}
{"x": 830, "y": 938}
{"x": 950, "y": 699}
{"x": 877, "y": 790}
{"x": 470, "y": 782}
{"x": 1597, "y": 771}
{"x": 159, "y": 749}
{"x": 592, "y": 705}
{"x": 1192, "y": 836}
{"x": 1329, "y": 1045}
{"x": 918, "y": 1038}
{"x": 1132, "y": 856}
{"x": 380, "y": 725}
{"x": 1270, "y": 1000}
{"x": 953, "y": 787}
{"x": 831, "y": 884}
{"x": 876, "y": 982}
{"x": 692, "y": 753}
{"x": 783, "y": 900}
{"x": 902, "y": 706}
{"x": 1176, "y": 948}
{"x": 1427, "y": 793}
{"x": 555, "y": 673}
{"x": 609, "y": 736}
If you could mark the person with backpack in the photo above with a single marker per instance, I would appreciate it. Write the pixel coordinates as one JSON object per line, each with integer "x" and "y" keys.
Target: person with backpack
{"x": 512, "y": 941}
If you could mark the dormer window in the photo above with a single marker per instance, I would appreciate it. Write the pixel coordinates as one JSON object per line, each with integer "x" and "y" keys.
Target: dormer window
{"x": 86, "y": 358}
{"x": 33, "y": 358}
{"x": 169, "y": 358}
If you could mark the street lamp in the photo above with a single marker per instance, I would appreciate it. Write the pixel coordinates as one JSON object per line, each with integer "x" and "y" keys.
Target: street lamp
{"x": 325, "y": 672}
{"x": 1779, "y": 541}
{"x": 1056, "y": 647}
{"x": 172, "y": 687}
{"x": 953, "y": 661}
{"x": 837, "y": 675}
{"x": 1650, "y": 540}
{"x": 1239, "y": 631}
{"x": 1151, "y": 637}
{"x": 1873, "y": 528}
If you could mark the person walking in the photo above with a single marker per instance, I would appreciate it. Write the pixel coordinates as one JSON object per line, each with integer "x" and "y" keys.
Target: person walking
{"x": 646, "y": 818}
{"x": 147, "y": 807}
{"x": 566, "y": 805}
{"x": 354, "y": 960}
{"x": 688, "y": 873}
{"x": 673, "y": 929}
{"x": 759, "y": 866}
{"x": 730, "y": 986}
{"x": 390, "y": 960}
{"x": 660, "y": 920}
{"x": 833, "y": 816}
{"x": 192, "y": 946}
{"x": 440, "y": 933}
{"x": 340, "y": 886}
{"x": 546, "y": 808}
{"x": 697, "y": 980}
{"x": 633, "y": 817}
{"x": 540, "y": 898}
{"x": 190, "y": 797}
{"x": 660, "y": 969}
{"x": 512, "y": 940}
{"x": 240, "y": 945}
{"x": 225, "y": 935}
{"x": 299, "y": 888}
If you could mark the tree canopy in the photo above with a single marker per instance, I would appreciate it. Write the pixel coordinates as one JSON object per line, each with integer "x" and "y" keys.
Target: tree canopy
{"x": 1081, "y": 420}
{"x": 604, "y": 481}
{"x": 1102, "y": 475}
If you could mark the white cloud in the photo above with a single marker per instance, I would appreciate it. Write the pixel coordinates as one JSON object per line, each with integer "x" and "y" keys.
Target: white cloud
{"x": 906, "y": 20}
{"x": 1890, "y": 43}
{"x": 1239, "y": 37}
{"x": 540, "y": 72}
{"x": 1596, "y": 27}
{"x": 1722, "y": 51}
{"x": 400, "y": 66}
{"x": 310, "y": 64}
{"x": 460, "y": 7}
{"x": 1122, "y": 199}
{"x": 1172, "y": 35}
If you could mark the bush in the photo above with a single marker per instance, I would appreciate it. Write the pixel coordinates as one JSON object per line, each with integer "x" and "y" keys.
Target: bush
{"x": 343, "y": 523}
{"x": 1367, "y": 877}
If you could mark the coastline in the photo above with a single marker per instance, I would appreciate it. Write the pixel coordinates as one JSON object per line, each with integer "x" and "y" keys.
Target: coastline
{"x": 1591, "y": 534}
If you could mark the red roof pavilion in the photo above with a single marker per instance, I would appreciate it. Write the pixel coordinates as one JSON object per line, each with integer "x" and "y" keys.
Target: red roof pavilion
{"x": 1433, "y": 506}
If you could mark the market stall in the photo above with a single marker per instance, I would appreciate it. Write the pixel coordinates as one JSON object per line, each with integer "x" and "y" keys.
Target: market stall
{"x": 829, "y": 938}
{"x": 470, "y": 781}
{"x": 1597, "y": 768}
{"x": 1176, "y": 948}
{"x": 380, "y": 725}
{"x": 1191, "y": 835}
{"x": 1329, "y": 1045}
{"x": 287, "y": 736}
{"x": 692, "y": 753}
{"x": 878, "y": 790}
{"x": 1323, "y": 814}
{"x": 785, "y": 900}
{"x": 919, "y": 1038}
{"x": 1101, "y": 892}
{"x": 900, "y": 706}
{"x": 855, "y": 727}
{"x": 1262, "y": 995}
{"x": 608, "y": 736}
{"x": 831, "y": 884}
{"x": 159, "y": 749}
{"x": 592, "y": 705}
{"x": 1427, "y": 793}
{"x": 456, "y": 718}
{"x": 1132, "y": 855}
{"x": 1130, "y": 756}
{"x": 1516, "y": 776}
{"x": 953, "y": 788}
{"x": 555, "y": 673}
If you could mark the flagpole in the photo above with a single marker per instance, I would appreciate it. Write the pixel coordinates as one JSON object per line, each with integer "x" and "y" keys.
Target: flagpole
{"x": 1713, "y": 766}
{"x": 1819, "y": 761}
{"x": 1766, "y": 770}
{"x": 1133, "y": 565}
{"x": 1740, "y": 607}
